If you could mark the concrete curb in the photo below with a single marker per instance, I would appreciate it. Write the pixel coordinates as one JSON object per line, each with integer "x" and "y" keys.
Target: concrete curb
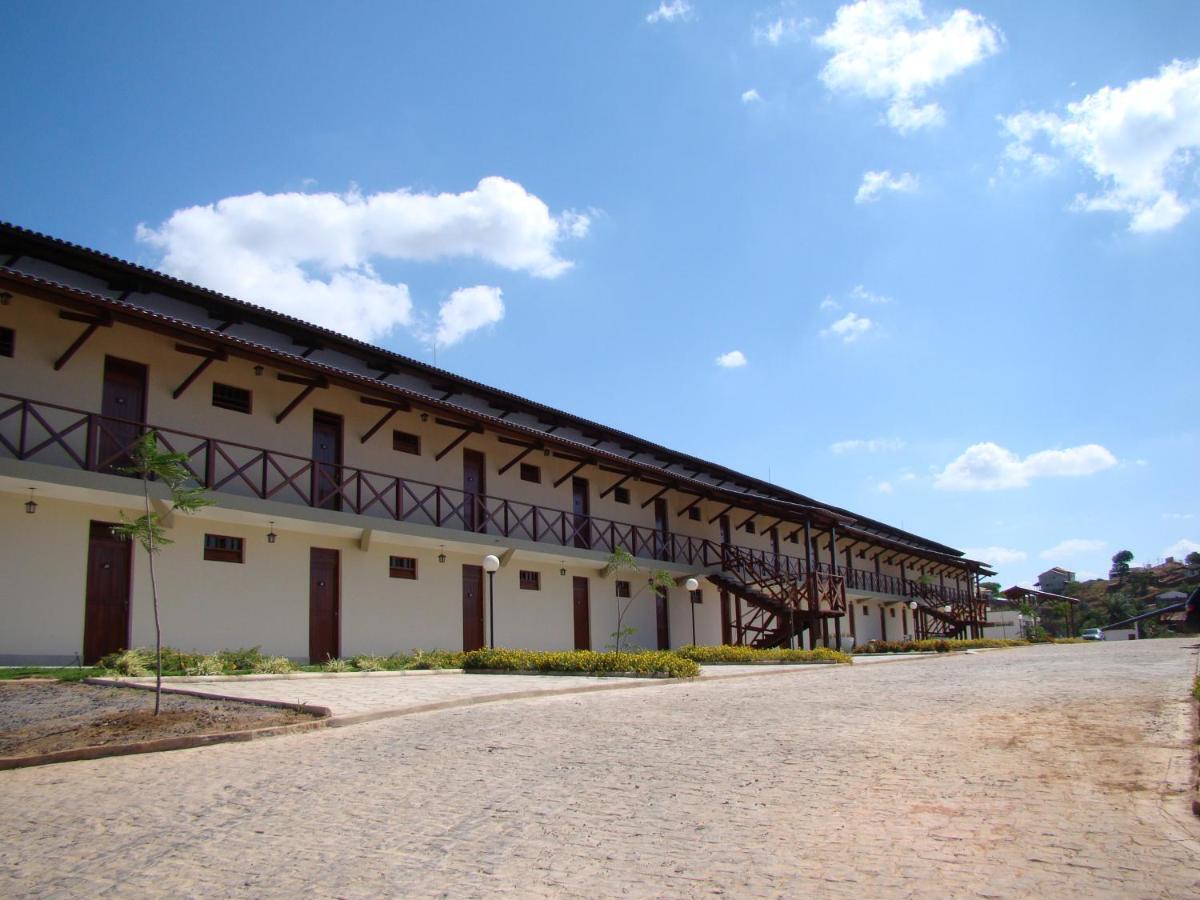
{"x": 210, "y": 679}
{"x": 322, "y": 719}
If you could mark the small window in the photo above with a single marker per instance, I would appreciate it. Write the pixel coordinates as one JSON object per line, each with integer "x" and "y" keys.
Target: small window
{"x": 8, "y": 339}
{"x": 794, "y": 537}
{"x": 621, "y": 494}
{"x": 402, "y": 567}
{"x": 226, "y": 396}
{"x": 622, "y": 588}
{"x": 866, "y": 610}
{"x": 406, "y": 443}
{"x": 892, "y": 611}
{"x": 694, "y": 514}
{"x": 750, "y": 527}
{"x": 697, "y": 596}
{"x": 531, "y": 581}
{"x": 531, "y": 473}
{"x": 223, "y": 548}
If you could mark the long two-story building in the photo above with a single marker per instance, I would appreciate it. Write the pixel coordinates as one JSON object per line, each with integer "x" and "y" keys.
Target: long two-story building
{"x": 357, "y": 493}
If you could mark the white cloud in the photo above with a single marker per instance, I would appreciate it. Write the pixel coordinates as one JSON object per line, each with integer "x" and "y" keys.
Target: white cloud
{"x": 849, "y": 328}
{"x": 875, "y": 183}
{"x": 466, "y": 310}
{"x": 990, "y": 467}
{"x": 870, "y": 445}
{"x": 1181, "y": 548}
{"x": 310, "y": 255}
{"x": 751, "y": 96}
{"x": 782, "y": 30}
{"x": 885, "y": 487}
{"x": 734, "y": 359}
{"x": 1137, "y": 141}
{"x": 861, "y": 293}
{"x": 995, "y": 556}
{"x": 830, "y": 303}
{"x": 1072, "y": 547}
{"x": 670, "y": 11}
{"x": 1178, "y": 515}
{"x": 888, "y": 50}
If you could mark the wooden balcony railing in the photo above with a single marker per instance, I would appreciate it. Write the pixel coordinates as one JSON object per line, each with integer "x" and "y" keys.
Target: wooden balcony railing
{"x": 74, "y": 438}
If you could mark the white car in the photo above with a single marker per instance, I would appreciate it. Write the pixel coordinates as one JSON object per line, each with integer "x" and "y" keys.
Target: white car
{"x": 1092, "y": 634}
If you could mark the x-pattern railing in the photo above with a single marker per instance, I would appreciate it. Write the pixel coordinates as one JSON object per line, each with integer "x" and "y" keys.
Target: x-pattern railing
{"x": 60, "y": 435}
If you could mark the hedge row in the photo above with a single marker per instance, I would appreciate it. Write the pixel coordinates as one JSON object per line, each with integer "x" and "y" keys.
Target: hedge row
{"x": 938, "y": 645}
{"x": 732, "y": 654}
{"x": 584, "y": 662}
{"x": 252, "y": 661}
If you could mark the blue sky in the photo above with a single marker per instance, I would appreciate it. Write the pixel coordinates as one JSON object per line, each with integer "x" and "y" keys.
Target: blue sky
{"x": 955, "y": 247}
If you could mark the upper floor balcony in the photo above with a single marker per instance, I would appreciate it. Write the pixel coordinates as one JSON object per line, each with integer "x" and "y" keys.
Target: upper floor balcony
{"x": 58, "y": 435}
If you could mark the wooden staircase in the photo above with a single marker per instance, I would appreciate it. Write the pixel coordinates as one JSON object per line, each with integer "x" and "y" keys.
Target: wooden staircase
{"x": 783, "y": 601}
{"x": 935, "y": 617}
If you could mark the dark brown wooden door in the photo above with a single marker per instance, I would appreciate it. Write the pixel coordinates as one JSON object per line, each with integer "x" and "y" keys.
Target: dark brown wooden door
{"x": 474, "y": 491}
{"x": 661, "y": 523}
{"x": 725, "y": 535}
{"x": 582, "y": 509}
{"x": 472, "y": 596}
{"x": 324, "y": 604}
{"x": 583, "y": 621}
{"x": 106, "y": 601}
{"x": 123, "y": 408}
{"x": 327, "y": 460}
{"x": 662, "y": 611}
{"x": 726, "y": 619}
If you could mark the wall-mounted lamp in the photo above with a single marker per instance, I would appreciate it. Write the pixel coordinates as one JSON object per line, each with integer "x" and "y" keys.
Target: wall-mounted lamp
{"x": 31, "y": 504}
{"x": 442, "y": 555}
{"x": 562, "y": 568}
{"x": 424, "y": 417}
{"x": 271, "y": 535}
{"x": 912, "y": 604}
{"x": 258, "y": 370}
{"x": 5, "y": 297}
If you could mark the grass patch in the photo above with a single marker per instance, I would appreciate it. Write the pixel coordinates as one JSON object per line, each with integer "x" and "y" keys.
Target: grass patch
{"x": 939, "y": 645}
{"x": 583, "y": 662}
{"x": 730, "y": 654}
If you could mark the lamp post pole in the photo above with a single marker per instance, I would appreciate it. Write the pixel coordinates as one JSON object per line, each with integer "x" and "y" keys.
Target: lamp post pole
{"x": 692, "y": 586}
{"x": 491, "y": 564}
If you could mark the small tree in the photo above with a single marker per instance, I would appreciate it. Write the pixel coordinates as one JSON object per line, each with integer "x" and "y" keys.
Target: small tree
{"x": 171, "y": 469}
{"x": 1193, "y": 558}
{"x": 622, "y": 562}
{"x": 1120, "y": 564}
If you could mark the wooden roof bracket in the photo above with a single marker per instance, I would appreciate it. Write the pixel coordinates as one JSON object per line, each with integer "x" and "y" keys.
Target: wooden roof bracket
{"x": 723, "y": 512}
{"x": 100, "y": 320}
{"x": 209, "y": 357}
{"x": 612, "y": 487}
{"x": 579, "y": 465}
{"x": 391, "y": 410}
{"x": 468, "y": 429}
{"x": 655, "y": 496}
{"x": 310, "y": 385}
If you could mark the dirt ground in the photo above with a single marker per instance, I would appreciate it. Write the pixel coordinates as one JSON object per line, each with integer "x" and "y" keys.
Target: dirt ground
{"x": 44, "y": 716}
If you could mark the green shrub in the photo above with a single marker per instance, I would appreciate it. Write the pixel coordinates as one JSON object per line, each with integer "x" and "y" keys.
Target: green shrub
{"x": 583, "y": 662}
{"x": 937, "y": 645}
{"x": 1069, "y": 640}
{"x": 244, "y": 659}
{"x": 177, "y": 660}
{"x": 369, "y": 663}
{"x": 435, "y": 659}
{"x": 728, "y": 653}
{"x": 207, "y": 665}
{"x": 130, "y": 663}
{"x": 273, "y": 665}
{"x": 335, "y": 665}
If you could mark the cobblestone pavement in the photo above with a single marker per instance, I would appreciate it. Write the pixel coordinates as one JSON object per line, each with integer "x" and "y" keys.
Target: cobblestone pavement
{"x": 1042, "y": 771}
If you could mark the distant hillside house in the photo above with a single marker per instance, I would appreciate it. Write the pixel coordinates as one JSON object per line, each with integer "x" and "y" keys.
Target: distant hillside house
{"x": 1055, "y": 580}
